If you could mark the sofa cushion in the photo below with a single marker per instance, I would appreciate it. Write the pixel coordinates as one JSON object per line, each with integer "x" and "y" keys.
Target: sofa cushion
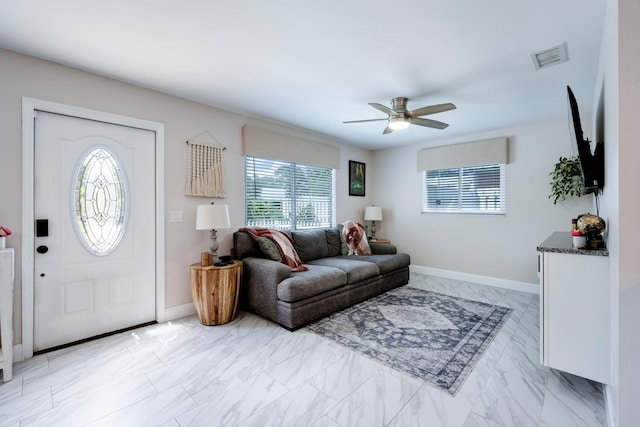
{"x": 245, "y": 246}
{"x": 333, "y": 241}
{"x": 382, "y": 248}
{"x": 356, "y": 270}
{"x": 310, "y": 244}
{"x": 386, "y": 263}
{"x": 316, "y": 280}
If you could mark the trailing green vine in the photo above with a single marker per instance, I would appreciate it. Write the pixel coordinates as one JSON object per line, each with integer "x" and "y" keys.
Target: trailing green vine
{"x": 566, "y": 179}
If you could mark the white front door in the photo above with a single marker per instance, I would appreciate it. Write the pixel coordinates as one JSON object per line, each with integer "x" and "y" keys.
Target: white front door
{"x": 94, "y": 205}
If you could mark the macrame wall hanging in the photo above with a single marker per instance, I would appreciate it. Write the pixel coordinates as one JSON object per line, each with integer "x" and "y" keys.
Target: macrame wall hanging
{"x": 205, "y": 169}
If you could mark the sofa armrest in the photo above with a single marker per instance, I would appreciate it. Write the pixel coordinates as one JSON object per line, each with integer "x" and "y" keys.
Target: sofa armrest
{"x": 382, "y": 248}
{"x": 260, "y": 279}
{"x": 266, "y": 270}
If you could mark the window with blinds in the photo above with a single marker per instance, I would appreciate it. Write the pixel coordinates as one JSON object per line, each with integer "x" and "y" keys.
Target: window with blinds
{"x": 476, "y": 189}
{"x": 288, "y": 196}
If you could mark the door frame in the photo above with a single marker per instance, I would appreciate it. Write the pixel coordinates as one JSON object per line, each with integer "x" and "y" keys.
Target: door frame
{"x": 30, "y": 106}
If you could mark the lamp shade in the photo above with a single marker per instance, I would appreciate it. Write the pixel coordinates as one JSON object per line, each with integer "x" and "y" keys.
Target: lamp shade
{"x": 211, "y": 217}
{"x": 373, "y": 213}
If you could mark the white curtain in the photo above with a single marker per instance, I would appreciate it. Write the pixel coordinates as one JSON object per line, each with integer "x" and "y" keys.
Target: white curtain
{"x": 205, "y": 171}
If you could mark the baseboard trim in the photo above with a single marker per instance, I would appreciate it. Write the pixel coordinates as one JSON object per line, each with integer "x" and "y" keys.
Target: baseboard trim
{"x": 18, "y": 353}
{"x": 169, "y": 313}
{"x": 497, "y": 282}
{"x": 608, "y": 403}
{"x": 176, "y": 312}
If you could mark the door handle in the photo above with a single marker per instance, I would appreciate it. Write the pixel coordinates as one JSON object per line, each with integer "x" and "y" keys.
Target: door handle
{"x": 42, "y": 249}
{"x": 42, "y": 227}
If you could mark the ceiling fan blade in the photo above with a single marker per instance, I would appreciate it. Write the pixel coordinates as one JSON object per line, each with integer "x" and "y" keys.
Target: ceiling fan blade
{"x": 383, "y": 108}
{"x": 362, "y": 121}
{"x": 387, "y": 130}
{"x": 432, "y": 109}
{"x": 428, "y": 123}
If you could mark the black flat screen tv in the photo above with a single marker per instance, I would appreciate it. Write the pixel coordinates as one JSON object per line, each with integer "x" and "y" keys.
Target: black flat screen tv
{"x": 592, "y": 163}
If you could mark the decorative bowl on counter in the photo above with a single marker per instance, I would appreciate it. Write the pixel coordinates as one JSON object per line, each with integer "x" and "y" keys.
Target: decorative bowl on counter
{"x": 591, "y": 224}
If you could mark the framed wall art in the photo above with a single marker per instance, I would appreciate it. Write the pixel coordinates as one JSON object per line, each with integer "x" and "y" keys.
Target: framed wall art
{"x": 357, "y": 175}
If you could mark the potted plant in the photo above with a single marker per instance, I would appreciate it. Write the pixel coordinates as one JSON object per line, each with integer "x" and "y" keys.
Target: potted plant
{"x": 566, "y": 179}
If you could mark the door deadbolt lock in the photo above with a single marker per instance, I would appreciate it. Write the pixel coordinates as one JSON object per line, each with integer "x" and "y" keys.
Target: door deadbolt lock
{"x": 42, "y": 249}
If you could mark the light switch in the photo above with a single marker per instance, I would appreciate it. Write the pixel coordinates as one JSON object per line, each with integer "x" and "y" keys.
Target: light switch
{"x": 175, "y": 216}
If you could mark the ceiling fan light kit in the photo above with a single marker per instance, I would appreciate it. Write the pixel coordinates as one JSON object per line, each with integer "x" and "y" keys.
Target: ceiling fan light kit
{"x": 398, "y": 123}
{"x": 400, "y": 118}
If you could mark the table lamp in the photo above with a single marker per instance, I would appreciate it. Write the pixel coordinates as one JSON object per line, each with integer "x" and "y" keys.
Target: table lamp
{"x": 212, "y": 217}
{"x": 373, "y": 214}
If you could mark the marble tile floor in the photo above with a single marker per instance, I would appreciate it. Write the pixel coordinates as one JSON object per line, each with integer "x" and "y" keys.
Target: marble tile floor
{"x": 252, "y": 372}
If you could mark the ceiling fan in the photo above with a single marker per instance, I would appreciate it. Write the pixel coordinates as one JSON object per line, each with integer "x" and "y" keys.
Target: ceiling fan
{"x": 401, "y": 118}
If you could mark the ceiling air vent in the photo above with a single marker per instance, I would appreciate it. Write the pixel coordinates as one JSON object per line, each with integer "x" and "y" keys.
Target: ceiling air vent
{"x": 550, "y": 57}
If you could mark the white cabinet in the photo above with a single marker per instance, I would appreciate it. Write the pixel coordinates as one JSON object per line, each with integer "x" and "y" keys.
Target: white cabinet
{"x": 574, "y": 313}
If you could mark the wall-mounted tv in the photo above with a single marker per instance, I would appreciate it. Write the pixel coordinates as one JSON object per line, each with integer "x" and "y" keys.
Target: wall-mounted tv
{"x": 592, "y": 163}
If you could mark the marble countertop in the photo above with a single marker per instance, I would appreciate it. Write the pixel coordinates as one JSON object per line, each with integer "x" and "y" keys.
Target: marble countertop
{"x": 561, "y": 242}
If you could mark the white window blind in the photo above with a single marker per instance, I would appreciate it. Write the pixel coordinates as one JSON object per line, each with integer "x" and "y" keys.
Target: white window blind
{"x": 290, "y": 196}
{"x": 475, "y": 189}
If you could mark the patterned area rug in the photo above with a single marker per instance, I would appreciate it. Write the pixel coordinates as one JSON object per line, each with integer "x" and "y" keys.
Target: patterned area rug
{"x": 435, "y": 337}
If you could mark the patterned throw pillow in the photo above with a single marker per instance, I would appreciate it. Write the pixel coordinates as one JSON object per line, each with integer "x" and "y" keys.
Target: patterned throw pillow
{"x": 269, "y": 249}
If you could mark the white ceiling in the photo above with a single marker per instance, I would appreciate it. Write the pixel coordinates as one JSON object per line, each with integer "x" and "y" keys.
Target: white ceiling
{"x": 317, "y": 64}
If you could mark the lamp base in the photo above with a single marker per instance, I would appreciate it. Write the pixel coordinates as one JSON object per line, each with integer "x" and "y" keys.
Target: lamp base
{"x": 213, "y": 246}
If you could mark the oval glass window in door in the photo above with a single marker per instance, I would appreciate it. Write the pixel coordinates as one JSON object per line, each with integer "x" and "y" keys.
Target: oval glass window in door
{"x": 100, "y": 199}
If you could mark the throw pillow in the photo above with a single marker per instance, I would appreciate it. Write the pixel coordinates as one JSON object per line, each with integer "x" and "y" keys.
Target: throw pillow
{"x": 355, "y": 236}
{"x": 344, "y": 248}
{"x": 269, "y": 249}
{"x": 284, "y": 243}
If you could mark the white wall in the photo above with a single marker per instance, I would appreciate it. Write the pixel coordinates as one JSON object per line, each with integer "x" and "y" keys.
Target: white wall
{"x": 30, "y": 77}
{"x": 619, "y": 74}
{"x": 620, "y": 70}
{"x": 607, "y": 94}
{"x": 500, "y": 246}
{"x": 629, "y": 233}
{"x": 629, "y": 148}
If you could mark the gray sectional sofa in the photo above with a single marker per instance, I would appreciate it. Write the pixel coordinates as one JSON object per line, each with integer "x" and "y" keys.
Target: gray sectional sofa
{"x": 332, "y": 282}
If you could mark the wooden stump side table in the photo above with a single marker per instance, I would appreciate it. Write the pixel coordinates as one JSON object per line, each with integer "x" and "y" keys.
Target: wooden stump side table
{"x": 216, "y": 291}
